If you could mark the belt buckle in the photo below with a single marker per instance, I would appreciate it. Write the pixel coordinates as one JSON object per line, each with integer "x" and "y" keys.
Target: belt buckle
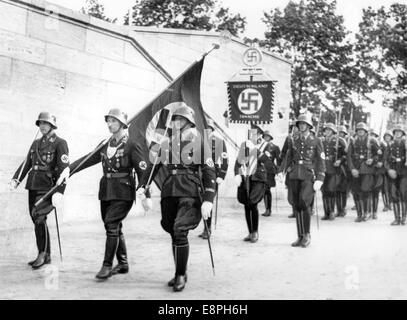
{"x": 361, "y": 157}
{"x": 174, "y": 171}
{"x": 301, "y": 162}
{"x": 398, "y": 159}
{"x": 108, "y": 175}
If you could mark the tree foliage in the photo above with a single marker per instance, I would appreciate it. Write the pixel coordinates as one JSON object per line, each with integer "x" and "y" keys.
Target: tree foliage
{"x": 313, "y": 36}
{"x": 381, "y": 47}
{"x": 186, "y": 14}
{"x": 95, "y": 9}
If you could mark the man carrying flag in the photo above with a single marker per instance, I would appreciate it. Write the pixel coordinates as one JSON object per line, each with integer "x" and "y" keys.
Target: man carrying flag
{"x": 188, "y": 190}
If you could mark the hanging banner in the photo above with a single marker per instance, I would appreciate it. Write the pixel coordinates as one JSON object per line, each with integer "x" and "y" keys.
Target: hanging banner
{"x": 251, "y": 101}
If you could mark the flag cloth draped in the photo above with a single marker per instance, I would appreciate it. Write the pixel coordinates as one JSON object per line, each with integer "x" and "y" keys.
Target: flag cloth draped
{"x": 148, "y": 126}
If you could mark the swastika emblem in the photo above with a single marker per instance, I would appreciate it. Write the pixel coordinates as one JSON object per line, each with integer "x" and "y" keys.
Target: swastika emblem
{"x": 252, "y": 57}
{"x": 250, "y": 101}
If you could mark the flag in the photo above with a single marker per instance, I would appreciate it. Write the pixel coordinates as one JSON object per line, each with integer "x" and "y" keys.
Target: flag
{"x": 151, "y": 124}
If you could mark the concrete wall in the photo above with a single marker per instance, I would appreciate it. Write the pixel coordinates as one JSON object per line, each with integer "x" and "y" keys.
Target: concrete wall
{"x": 78, "y": 67}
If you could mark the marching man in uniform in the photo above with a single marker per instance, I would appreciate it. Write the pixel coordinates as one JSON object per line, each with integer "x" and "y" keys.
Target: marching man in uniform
{"x": 251, "y": 178}
{"x": 388, "y": 140}
{"x": 272, "y": 154}
{"x": 378, "y": 174}
{"x": 47, "y": 158}
{"x": 396, "y": 166}
{"x": 362, "y": 157}
{"x": 220, "y": 158}
{"x": 187, "y": 193}
{"x": 306, "y": 170}
{"x": 334, "y": 149}
{"x": 117, "y": 189}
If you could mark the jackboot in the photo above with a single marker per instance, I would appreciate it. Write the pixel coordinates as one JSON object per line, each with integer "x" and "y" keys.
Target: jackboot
{"x": 359, "y": 208}
{"x": 110, "y": 251}
{"x": 267, "y": 213}
{"x": 254, "y": 237}
{"x": 403, "y": 213}
{"x": 42, "y": 259}
{"x": 325, "y": 202}
{"x": 331, "y": 208}
{"x": 306, "y": 240}
{"x": 181, "y": 261}
{"x": 121, "y": 255}
{"x": 396, "y": 210}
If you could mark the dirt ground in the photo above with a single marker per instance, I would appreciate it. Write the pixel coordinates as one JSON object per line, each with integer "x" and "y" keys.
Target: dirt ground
{"x": 346, "y": 260}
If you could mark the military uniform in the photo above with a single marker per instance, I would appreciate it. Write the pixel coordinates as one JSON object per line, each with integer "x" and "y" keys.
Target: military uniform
{"x": 345, "y": 187}
{"x": 335, "y": 176}
{"x": 221, "y": 161}
{"x": 362, "y": 149}
{"x": 305, "y": 166}
{"x": 386, "y": 179}
{"x": 47, "y": 158}
{"x": 190, "y": 183}
{"x": 271, "y": 154}
{"x": 116, "y": 192}
{"x": 250, "y": 166}
{"x": 395, "y": 159}
{"x": 379, "y": 174}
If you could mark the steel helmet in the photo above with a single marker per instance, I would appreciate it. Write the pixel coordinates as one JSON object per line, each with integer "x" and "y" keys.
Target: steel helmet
{"x": 267, "y": 133}
{"x": 388, "y": 133}
{"x": 118, "y": 115}
{"x": 399, "y": 128}
{"x": 361, "y": 126}
{"x": 375, "y": 132}
{"x": 330, "y": 126}
{"x": 184, "y": 111}
{"x": 304, "y": 118}
{"x": 342, "y": 129}
{"x": 47, "y": 117}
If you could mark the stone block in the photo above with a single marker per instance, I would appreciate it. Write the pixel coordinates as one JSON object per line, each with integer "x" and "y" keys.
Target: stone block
{"x": 104, "y": 45}
{"x": 5, "y": 72}
{"x": 21, "y": 47}
{"x": 49, "y": 28}
{"x": 13, "y": 18}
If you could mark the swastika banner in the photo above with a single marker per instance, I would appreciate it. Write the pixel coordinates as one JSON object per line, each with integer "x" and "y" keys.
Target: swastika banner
{"x": 251, "y": 102}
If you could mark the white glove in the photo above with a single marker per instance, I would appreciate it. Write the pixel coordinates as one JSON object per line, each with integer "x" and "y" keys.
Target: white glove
{"x": 369, "y": 162}
{"x": 13, "y": 184}
{"x": 64, "y": 176}
{"x": 337, "y": 163}
{"x": 392, "y": 174}
{"x": 219, "y": 180}
{"x": 238, "y": 180}
{"x": 147, "y": 204}
{"x": 249, "y": 144}
{"x": 355, "y": 173}
{"x": 206, "y": 209}
{"x": 57, "y": 199}
{"x": 317, "y": 185}
{"x": 141, "y": 193}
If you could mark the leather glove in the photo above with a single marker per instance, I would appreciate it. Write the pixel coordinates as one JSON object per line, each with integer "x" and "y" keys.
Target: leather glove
{"x": 369, "y": 162}
{"x": 392, "y": 174}
{"x": 337, "y": 163}
{"x": 206, "y": 209}
{"x": 219, "y": 180}
{"x": 147, "y": 204}
{"x": 238, "y": 180}
{"x": 63, "y": 178}
{"x": 317, "y": 185}
{"x": 355, "y": 173}
{"x": 56, "y": 199}
{"x": 13, "y": 184}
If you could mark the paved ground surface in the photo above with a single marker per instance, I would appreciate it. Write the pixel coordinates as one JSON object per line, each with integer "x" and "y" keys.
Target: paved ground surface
{"x": 346, "y": 260}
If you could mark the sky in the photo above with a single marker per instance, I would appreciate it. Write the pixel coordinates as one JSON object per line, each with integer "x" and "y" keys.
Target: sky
{"x": 253, "y": 10}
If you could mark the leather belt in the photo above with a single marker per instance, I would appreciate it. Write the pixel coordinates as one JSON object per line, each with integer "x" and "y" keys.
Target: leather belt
{"x": 398, "y": 159}
{"x": 116, "y": 175}
{"x": 40, "y": 168}
{"x": 182, "y": 171}
{"x": 303, "y": 162}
